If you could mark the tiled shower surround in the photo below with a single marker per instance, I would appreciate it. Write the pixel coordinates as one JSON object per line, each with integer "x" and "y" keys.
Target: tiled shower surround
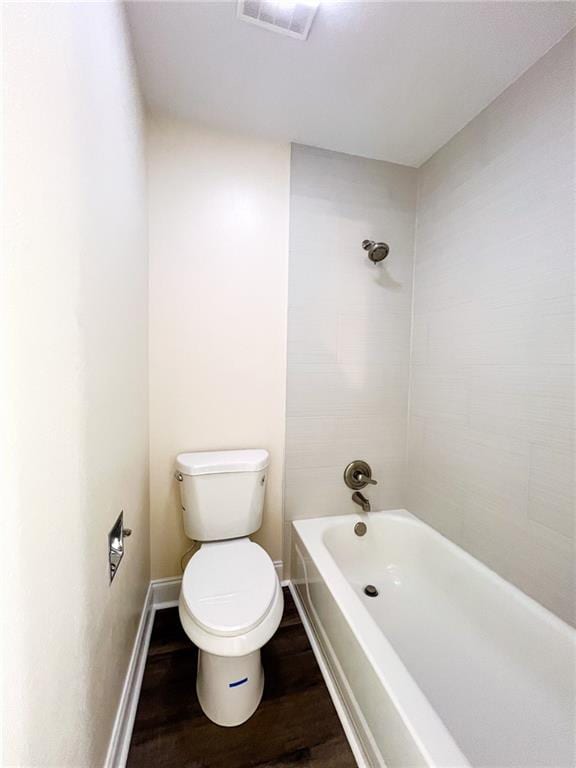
{"x": 491, "y": 451}
{"x": 348, "y": 330}
{"x": 484, "y": 389}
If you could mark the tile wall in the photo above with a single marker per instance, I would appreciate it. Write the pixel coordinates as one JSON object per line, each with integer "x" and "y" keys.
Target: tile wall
{"x": 491, "y": 433}
{"x": 348, "y": 330}
{"x": 485, "y": 388}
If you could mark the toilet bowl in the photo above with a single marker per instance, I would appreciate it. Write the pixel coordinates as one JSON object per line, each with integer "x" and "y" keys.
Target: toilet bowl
{"x": 231, "y": 601}
{"x": 230, "y": 605}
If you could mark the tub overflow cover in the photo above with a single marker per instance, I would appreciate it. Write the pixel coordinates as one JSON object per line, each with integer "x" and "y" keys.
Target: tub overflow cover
{"x": 370, "y": 590}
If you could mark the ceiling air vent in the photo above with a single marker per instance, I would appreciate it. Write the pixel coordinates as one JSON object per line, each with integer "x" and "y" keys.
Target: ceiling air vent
{"x": 288, "y": 17}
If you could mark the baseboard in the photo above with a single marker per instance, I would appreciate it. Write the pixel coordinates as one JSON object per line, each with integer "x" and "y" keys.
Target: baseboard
{"x": 162, "y": 593}
{"x": 279, "y": 565}
{"x": 124, "y": 721}
{"x": 165, "y": 592}
{"x": 333, "y": 689}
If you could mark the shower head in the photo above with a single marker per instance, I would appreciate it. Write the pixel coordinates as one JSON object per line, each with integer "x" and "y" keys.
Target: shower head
{"x": 376, "y": 251}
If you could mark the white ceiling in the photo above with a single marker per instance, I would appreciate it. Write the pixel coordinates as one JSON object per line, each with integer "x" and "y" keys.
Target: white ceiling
{"x": 389, "y": 80}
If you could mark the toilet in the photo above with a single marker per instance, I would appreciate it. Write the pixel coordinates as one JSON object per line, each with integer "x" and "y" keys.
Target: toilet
{"x": 231, "y": 601}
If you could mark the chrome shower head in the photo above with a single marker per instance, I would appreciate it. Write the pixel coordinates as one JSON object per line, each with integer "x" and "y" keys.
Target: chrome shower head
{"x": 376, "y": 251}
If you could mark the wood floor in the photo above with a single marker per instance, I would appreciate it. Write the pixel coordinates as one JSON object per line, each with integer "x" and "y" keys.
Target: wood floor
{"x": 295, "y": 725}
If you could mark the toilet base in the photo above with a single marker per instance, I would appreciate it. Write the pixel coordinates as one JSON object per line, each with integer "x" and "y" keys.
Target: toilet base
{"x": 229, "y": 688}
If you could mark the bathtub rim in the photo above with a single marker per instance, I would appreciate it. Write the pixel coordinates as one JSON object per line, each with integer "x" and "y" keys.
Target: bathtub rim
{"x": 530, "y": 603}
{"x": 432, "y": 737}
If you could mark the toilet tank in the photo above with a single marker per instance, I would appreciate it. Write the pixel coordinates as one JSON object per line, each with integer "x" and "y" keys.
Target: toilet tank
{"x": 222, "y": 492}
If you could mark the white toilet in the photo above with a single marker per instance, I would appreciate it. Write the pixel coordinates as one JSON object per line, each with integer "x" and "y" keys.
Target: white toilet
{"x": 231, "y": 601}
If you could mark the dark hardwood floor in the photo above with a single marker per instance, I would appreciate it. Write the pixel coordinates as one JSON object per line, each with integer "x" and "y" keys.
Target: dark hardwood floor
{"x": 295, "y": 725}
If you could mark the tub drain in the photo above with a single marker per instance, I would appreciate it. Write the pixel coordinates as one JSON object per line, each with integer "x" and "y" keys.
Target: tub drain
{"x": 370, "y": 590}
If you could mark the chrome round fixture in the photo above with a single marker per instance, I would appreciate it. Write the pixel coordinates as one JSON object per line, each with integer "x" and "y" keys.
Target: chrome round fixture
{"x": 358, "y": 474}
{"x": 370, "y": 590}
{"x": 376, "y": 251}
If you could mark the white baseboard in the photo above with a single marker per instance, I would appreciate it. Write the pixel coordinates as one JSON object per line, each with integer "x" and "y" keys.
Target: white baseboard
{"x": 339, "y": 703}
{"x": 279, "y": 565}
{"x": 124, "y": 721}
{"x": 165, "y": 592}
{"x": 162, "y": 593}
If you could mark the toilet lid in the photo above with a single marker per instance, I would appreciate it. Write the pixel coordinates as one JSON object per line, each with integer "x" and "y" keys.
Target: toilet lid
{"x": 228, "y": 586}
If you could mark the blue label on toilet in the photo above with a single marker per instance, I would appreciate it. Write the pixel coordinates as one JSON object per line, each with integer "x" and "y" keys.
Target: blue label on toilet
{"x": 238, "y": 682}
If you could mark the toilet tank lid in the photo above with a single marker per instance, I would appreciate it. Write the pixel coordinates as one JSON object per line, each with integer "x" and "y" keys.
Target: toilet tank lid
{"x": 213, "y": 462}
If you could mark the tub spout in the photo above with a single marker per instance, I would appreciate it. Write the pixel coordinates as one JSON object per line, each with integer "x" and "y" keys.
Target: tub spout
{"x": 359, "y": 498}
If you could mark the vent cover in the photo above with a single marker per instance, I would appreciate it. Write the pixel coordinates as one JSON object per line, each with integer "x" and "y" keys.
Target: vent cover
{"x": 293, "y": 18}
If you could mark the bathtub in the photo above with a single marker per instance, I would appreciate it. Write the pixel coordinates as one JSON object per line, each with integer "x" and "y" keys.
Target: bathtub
{"x": 450, "y": 665}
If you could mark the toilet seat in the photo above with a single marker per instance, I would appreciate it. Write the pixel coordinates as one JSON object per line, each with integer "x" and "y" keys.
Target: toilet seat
{"x": 229, "y": 586}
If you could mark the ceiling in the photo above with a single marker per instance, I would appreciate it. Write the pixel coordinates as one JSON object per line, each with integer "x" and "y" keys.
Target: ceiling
{"x": 388, "y": 80}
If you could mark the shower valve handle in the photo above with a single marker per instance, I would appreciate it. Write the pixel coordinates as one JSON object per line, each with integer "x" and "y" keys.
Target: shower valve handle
{"x": 363, "y": 479}
{"x": 358, "y": 475}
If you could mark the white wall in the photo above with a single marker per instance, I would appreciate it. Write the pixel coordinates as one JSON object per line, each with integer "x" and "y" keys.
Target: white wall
{"x": 218, "y": 212}
{"x": 491, "y": 443}
{"x": 348, "y": 330}
{"x": 74, "y": 400}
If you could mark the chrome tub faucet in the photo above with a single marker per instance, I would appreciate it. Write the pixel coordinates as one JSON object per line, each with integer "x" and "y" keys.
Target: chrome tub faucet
{"x": 360, "y": 499}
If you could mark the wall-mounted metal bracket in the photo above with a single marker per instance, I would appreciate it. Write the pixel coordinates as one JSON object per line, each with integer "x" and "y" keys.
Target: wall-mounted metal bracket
{"x": 116, "y": 544}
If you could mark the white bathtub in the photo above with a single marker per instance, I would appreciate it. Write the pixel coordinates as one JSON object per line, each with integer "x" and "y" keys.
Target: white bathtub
{"x": 450, "y": 665}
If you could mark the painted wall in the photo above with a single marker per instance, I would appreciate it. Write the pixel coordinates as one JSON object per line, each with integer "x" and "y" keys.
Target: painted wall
{"x": 348, "y": 330}
{"x": 218, "y": 213}
{"x": 491, "y": 438}
{"x": 74, "y": 399}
